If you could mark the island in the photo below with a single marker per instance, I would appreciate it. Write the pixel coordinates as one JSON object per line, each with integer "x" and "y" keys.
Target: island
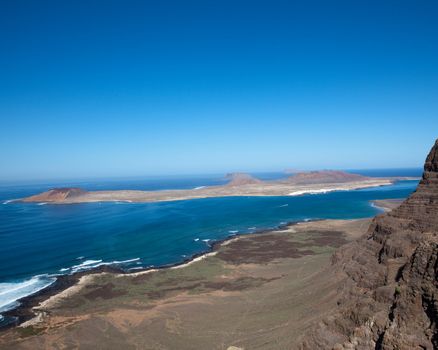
{"x": 240, "y": 184}
{"x": 326, "y": 284}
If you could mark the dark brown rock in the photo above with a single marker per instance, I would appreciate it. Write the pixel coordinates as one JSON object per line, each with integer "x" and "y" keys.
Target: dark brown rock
{"x": 389, "y": 298}
{"x": 431, "y": 163}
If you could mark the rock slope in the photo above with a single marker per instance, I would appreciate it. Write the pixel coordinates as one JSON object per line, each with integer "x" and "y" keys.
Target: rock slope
{"x": 324, "y": 176}
{"x": 389, "y": 295}
{"x": 56, "y": 195}
{"x": 240, "y": 179}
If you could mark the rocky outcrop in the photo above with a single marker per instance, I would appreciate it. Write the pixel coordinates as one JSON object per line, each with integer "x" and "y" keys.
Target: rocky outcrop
{"x": 389, "y": 295}
{"x": 56, "y": 195}
{"x": 324, "y": 176}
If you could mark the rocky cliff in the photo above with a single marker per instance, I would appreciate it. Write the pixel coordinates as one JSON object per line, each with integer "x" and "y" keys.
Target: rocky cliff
{"x": 389, "y": 295}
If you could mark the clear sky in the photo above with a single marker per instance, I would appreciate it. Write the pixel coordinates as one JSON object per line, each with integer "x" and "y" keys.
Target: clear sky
{"x": 120, "y": 88}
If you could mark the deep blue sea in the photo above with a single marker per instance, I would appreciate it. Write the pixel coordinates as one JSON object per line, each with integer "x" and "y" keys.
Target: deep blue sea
{"x": 38, "y": 242}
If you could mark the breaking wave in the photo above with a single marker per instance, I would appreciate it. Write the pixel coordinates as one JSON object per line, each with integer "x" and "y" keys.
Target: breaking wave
{"x": 92, "y": 264}
{"x": 11, "y": 292}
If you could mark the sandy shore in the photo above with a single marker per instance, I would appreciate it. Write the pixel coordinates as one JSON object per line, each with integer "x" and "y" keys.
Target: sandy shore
{"x": 387, "y": 204}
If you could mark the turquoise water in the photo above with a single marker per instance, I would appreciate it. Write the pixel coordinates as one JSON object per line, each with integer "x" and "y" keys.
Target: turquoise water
{"x": 38, "y": 242}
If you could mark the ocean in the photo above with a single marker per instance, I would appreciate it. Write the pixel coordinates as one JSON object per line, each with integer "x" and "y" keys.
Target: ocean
{"x": 39, "y": 242}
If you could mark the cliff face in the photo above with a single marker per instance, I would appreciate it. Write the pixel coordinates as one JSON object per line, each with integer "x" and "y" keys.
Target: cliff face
{"x": 389, "y": 295}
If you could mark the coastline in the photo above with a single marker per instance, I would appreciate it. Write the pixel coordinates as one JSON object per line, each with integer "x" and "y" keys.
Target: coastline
{"x": 386, "y": 205}
{"x": 244, "y": 273}
{"x": 66, "y": 285}
{"x": 29, "y": 308}
{"x": 263, "y": 189}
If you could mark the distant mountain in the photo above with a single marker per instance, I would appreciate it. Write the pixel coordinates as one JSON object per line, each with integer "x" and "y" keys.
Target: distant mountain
{"x": 56, "y": 195}
{"x": 239, "y": 179}
{"x": 323, "y": 176}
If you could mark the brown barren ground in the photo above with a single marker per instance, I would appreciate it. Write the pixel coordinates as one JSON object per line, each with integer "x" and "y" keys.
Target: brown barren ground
{"x": 259, "y": 291}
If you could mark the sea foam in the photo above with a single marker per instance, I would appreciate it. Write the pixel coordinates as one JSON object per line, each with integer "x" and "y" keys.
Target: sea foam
{"x": 11, "y": 292}
{"x": 92, "y": 264}
{"x": 321, "y": 191}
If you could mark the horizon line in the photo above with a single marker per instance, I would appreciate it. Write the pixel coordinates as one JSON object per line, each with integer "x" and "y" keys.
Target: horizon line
{"x": 197, "y": 174}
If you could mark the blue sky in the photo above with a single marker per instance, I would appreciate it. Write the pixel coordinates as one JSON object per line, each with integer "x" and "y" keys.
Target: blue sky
{"x": 129, "y": 88}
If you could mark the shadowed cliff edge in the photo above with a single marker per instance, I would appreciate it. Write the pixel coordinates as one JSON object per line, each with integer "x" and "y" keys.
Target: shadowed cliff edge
{"x": 389, "y": 297}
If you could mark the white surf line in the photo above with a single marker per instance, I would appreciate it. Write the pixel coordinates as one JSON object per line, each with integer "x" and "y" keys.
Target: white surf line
{"x": 12, "y": 292}
{"x": 382, "y": 209}
{"x": 92, "y": 264}
{"x": 199, "y": 258}
{"x": 341, "y": 188}
{"x": 322, "y": 190}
